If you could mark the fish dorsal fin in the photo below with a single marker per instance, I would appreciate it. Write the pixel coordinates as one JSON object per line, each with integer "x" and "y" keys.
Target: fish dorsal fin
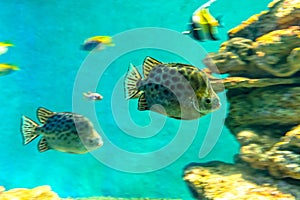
{"x": 148, "y": 64}
{"x": 143, "y": 105}
{"x": 43, "y": 114}
{"x": 131, "y": 79}
{"x": 43, "y": 145}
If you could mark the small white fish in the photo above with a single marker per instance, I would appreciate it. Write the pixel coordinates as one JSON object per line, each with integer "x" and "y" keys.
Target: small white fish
{"x": 93, "y": 96}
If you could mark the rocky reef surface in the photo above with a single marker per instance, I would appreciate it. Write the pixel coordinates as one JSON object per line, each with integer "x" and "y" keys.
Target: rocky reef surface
{"x": 262, "y": 61}
{"x": 40, "y": 193}
{"x": 45, "y": 193}
{"x": 226, "y": 181}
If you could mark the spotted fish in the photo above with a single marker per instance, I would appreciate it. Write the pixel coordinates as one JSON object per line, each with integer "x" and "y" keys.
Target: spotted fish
{"x": 63, "y": 131}
{"x": 176, "y": 90}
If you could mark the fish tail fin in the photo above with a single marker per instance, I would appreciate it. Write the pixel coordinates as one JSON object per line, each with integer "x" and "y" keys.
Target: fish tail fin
{"x": 28, "y": 129}
{"x": 220, "y": 20}
{"x": 131, "y": 79}
{"x": 14, "y": 67}
{"x": 213, "y": 32}
{"x": 111, "y": 44}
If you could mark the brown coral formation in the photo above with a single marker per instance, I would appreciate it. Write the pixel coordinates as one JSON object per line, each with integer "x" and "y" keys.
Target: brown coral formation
{"x": 45, "y": 193}
{"x": 265, "y": 96}
{"x": 262, "y": 61}
{"x": 275, "y": 54}
{"x": 231, "y": 182}
{"x": 281, "y": 15}
{"x": 112, "y": 198}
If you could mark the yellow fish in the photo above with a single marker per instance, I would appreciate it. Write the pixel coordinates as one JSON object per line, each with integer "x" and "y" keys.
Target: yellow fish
{"x": 7, "y": 69}
{"x": 4, "y": 47}
{"x": 203, "y": 24}
{"x": 97, "y": 43}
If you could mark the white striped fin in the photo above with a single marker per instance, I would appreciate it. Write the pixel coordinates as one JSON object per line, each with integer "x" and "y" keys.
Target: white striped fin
{"x": 28, "y": 129}
{"x": 43, "y": 145}
{"x": 131, "y": 79}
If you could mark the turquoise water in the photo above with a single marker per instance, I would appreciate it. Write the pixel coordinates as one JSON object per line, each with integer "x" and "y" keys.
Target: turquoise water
{"x": 47, "y": 38}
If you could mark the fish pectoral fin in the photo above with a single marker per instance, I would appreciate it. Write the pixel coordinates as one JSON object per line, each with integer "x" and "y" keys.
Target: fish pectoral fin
{"x": 43, "y": 114}
{"x": 148, "y": 64}
{"x": 43, "y": 145}
{"x": 143, "y": 105}
{"x": 131, "y": 79}
{"x": 28, "y": 129}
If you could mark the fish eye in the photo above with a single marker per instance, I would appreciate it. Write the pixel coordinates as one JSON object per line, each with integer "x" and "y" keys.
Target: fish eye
{"x": 207, "y": 100}
{"x": 91, "y": 141}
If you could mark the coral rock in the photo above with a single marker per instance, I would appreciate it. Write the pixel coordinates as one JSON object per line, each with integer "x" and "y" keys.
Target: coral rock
{"x": 242, "y": 82}
{"x": 262, "y": 59}
{"x": 274, "y": 48}
{"x": 214, "y": 181}
{"x": 41, "y": 193}
{"x": 281, "y": 14}
{"x": 285, "y": 156}
{"x": 277, "y": 105}
{"x": 273, "y": 54}
{"x": 272, "y": 150}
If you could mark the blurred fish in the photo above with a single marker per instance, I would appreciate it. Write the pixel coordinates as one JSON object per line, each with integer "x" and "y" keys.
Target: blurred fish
{"x": 7, "y": 69}
{"x": 173, "y": 89}
{"x": 63, "y": 131}
{"x": 97, "y": 43}
{"x": 203, "y": 25}
{"x": 92, "y": 96}
{"x": 4, "y": 47}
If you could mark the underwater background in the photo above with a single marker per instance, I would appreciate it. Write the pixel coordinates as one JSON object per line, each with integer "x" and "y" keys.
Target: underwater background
{"x": 46, "y": 38}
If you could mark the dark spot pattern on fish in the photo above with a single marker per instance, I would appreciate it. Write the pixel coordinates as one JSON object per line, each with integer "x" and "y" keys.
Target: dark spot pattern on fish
{"x": 175, "y": 79}
{"x": 171, "y": 83}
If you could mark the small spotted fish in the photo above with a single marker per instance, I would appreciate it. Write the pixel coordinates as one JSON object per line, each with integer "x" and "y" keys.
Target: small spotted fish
{"x": 62, "y": 131}
{"x": 97, "y": 43}
{"x": 176, "y": 90}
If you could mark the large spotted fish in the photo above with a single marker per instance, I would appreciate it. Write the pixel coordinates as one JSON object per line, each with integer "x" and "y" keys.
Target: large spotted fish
{"x": 64, "y": 131}
{"x": 176, "y": 90}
